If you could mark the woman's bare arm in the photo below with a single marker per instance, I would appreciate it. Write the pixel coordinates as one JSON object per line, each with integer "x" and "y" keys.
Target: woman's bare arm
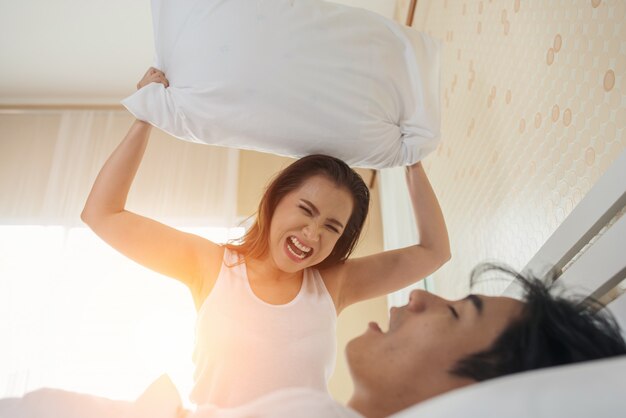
{"x": 380, "y": 274}
{"x": 191, "y": 259}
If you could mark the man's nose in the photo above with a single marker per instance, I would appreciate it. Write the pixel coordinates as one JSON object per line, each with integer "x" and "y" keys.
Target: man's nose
{"x": 420, "y": 300}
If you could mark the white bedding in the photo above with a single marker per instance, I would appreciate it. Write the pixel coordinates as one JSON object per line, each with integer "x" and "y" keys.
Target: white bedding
{"x": 591, "y": 389}
{"x": 286, "y": 403}
{"x": 159, "y": 400}
{"x": 594, "y": 389}
{"x": 55, "y": 403}
{"x": 294, "y": 77}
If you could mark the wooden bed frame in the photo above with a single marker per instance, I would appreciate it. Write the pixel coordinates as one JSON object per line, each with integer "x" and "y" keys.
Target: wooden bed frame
{"x": 411, "y": 12}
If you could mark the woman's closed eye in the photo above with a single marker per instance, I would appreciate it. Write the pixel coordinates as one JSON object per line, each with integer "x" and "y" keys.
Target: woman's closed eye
{"x": 307, "y": 210}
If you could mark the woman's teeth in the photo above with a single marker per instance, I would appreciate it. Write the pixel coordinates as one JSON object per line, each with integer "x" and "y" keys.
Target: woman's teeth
{"x": 300, "y": 245}
{"x": 302, "y": 250}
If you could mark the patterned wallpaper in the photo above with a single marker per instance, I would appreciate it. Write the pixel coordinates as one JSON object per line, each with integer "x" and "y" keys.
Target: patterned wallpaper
{"x": 534, "y": 111}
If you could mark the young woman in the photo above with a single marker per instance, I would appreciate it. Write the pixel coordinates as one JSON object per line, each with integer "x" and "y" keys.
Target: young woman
{"x": 267, "y": 307}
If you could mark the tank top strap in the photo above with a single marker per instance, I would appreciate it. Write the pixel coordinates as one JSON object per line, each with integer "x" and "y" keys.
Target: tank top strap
{"x": 230, "y": 277}
{"x": 315, "y": 286}
{"x": 232, "y": 265}
{"x": 230, "y": 258}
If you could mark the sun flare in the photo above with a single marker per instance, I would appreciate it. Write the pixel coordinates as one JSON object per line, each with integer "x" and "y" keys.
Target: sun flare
{"x": 79, "y": 316}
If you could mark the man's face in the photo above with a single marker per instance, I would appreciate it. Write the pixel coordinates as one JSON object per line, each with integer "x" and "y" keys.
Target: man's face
{"x": 426, "y": 338}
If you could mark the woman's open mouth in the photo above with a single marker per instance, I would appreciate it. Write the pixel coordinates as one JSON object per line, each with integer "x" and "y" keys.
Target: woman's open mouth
{"x": 296, "y": 250}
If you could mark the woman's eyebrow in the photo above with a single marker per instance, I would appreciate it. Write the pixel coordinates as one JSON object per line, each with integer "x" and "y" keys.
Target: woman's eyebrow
{"x": 477, "y": 302}
{"x": 317, "y": 212}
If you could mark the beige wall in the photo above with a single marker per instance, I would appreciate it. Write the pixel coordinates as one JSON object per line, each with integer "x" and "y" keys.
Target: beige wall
{"x": 255, "y": 171}
{"x": 534, "y": 111}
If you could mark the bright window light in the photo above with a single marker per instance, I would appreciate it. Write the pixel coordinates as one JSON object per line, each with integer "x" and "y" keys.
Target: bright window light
{"x": 77, "y": 315}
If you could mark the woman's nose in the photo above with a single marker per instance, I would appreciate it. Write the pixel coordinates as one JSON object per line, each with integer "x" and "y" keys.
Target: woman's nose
{"x": 311, "y": 231}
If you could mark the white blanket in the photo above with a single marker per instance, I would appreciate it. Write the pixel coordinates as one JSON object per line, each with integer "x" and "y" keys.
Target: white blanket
{"x": 590, "y": 389}
{"x": 294, "y": 77}
{"x": 159, "y": 400}
{"x": 286, "y": 403}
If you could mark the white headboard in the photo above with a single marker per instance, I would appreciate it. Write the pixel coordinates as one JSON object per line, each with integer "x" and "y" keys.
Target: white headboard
{"x": 588, "y": 250}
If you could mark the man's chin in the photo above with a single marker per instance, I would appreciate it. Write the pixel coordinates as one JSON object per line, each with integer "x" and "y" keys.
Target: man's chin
{"x": 359, "y": 346}
{"x": 352, "y": 347}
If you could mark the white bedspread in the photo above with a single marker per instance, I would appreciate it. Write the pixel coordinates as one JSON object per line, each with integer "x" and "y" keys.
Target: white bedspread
{"x": 286, "y": 403}
{"x": 591, "y": 389}
{"x": 159, "y": 400}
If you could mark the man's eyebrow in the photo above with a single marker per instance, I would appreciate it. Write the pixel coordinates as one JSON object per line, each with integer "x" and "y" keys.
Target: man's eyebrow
{"x": 477, "y": 302}
{"x": 316, "y": 212}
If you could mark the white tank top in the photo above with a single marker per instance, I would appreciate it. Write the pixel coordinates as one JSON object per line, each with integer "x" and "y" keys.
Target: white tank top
{"x": 246, "y": 348}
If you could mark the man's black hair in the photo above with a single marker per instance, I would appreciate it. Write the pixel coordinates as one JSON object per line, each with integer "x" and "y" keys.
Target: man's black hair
{"x": 552, "y": 330}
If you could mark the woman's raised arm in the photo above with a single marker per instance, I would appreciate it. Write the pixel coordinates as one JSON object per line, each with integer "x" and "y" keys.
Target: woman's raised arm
{"x": 191, "y": 259}
{"x": 383, "y": 273}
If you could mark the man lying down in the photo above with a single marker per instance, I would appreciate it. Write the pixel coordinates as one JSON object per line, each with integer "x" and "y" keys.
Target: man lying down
{"x": 434, "y": 346}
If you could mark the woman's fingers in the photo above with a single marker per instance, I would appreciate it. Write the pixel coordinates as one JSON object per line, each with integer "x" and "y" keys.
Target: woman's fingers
{"x": 150, "y": 71}
{"x": 160, "y": 78}
{"x": 153, "y": 76}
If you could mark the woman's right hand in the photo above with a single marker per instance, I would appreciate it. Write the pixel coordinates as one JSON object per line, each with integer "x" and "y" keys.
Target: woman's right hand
{"x": 153, "y": 76}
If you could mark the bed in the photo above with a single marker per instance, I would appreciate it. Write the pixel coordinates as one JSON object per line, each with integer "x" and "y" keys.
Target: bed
{"x": 587, "y": 255}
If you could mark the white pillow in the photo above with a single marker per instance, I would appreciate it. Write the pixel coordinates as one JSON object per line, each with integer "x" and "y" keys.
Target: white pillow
{"x": 595, "y": 389}
{"x": 294, "y": 77}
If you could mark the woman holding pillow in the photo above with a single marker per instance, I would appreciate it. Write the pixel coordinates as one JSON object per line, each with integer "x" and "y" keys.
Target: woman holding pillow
{"x": 267, "y": 307}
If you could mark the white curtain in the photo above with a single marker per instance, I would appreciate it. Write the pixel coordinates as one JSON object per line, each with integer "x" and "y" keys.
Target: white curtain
{"x": 48, "y": 162}
{"x": 399, "y": 228}
{"x": 75, "y": 314}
